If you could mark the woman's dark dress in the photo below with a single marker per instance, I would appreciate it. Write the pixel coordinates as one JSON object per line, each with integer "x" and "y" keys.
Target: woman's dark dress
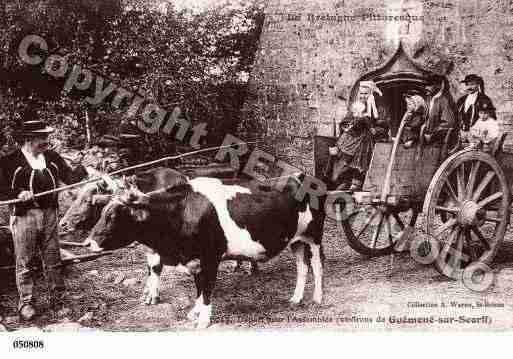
{"x": 355, "y": 147}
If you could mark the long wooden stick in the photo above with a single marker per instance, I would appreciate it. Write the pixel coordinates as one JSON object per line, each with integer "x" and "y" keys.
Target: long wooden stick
{"x": 86, "y": 257}
{"x": 386, "y": 187}
{"x": 73, "y": 244}
{"x": 126, "y": 169}
{"x": 72, "y": 260}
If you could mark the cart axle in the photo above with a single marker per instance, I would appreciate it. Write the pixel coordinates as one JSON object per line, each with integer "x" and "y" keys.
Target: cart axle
{"x": 471, "y": 214}
{"x": 369, "y": 198}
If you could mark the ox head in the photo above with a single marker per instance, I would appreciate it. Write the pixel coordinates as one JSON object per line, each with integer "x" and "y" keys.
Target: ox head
{"x": 85, "y": 210}
{"x": 118, "y": 223}
{"x": 131, "y": 213}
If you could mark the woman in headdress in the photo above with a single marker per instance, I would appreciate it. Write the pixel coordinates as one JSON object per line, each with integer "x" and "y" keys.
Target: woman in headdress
{"x": 416, "y": 111}
{"x": 353, "y": 151}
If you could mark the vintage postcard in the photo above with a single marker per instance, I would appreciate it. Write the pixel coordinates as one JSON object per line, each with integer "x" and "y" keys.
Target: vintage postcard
{"x": 184, "y": 166}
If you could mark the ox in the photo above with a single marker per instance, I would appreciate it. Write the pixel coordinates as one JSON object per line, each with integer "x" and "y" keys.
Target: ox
{"x": 199, "y": 222}
{"x": 86, "y": 209}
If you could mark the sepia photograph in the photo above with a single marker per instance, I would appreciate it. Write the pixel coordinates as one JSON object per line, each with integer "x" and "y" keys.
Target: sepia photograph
{"x": 254, "y": 166}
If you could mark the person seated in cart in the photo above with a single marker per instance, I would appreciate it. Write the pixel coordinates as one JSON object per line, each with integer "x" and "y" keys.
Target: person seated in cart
{"x": 467, "y": 104}
{"x": 31, "y": 169}
{"x": 485, "y": 130}
{"x": 351, "y": 156}
{"x": 415, "y": 117}
{"x": 441, "y": 115}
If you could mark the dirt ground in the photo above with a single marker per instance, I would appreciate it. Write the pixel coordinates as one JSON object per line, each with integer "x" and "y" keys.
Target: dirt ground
{"x": 360, "y": 294}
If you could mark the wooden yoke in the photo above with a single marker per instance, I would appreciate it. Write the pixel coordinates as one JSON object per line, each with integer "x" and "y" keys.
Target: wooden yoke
{"x": 386, "y": 187}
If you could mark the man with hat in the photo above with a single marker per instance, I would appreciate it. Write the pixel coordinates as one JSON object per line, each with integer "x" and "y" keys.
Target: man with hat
{"x": 441, "y": 116}
{"x": 467, "y": 111}
{"x": 31, "y": 169}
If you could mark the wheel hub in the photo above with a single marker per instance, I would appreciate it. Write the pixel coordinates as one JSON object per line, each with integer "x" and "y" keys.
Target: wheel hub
{"x": 470, "y": 214}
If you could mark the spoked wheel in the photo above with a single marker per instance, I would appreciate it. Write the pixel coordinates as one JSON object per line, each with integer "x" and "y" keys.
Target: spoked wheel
{"x": 467, "y": 211}
{"x": 375, "y": 230}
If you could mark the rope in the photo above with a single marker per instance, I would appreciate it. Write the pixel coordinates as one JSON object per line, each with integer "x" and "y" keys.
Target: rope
{"x": 126, "y": 169}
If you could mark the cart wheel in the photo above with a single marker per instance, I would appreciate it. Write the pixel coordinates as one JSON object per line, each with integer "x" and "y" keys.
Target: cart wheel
{"x": 376, "y": 230}
{"x": 467, "y": 211}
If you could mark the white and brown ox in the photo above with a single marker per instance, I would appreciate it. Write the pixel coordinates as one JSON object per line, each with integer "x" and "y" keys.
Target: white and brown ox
{"x": 199, "y": 222}
{"x": 86, "y": 208}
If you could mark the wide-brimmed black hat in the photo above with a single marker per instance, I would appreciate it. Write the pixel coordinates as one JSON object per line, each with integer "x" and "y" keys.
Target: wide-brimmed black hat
{"x": 31, "y": 125}
{"x": 472, "y": 78}
{"x": 34, "y": 128}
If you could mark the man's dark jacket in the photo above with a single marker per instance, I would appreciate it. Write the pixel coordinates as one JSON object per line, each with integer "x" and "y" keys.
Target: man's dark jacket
{"x": 16, "y": 175}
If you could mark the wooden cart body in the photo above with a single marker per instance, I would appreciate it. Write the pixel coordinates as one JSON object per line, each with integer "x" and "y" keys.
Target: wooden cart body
{"x": 412, "y": 169}
{"x": 411, "y": 174}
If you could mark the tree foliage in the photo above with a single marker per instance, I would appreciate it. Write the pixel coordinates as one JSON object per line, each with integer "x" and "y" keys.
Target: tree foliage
{"x": 196, "y": 61}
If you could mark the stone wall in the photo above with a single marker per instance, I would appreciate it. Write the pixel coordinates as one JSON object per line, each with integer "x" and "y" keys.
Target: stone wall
{"x": 311, "y": 50}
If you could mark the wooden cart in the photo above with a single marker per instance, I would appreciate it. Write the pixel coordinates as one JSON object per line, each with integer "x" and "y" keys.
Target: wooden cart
{"x": 465, "y": 198}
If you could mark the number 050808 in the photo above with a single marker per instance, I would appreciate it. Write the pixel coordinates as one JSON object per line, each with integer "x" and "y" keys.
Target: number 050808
{"x": 28, "y": 344}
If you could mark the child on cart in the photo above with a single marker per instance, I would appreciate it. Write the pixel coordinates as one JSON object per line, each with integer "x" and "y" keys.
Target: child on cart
{"x": 485, "y": 132}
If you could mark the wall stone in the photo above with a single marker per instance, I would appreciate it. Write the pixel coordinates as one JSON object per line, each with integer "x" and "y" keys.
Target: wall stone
{"x": 311, "y": 50}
